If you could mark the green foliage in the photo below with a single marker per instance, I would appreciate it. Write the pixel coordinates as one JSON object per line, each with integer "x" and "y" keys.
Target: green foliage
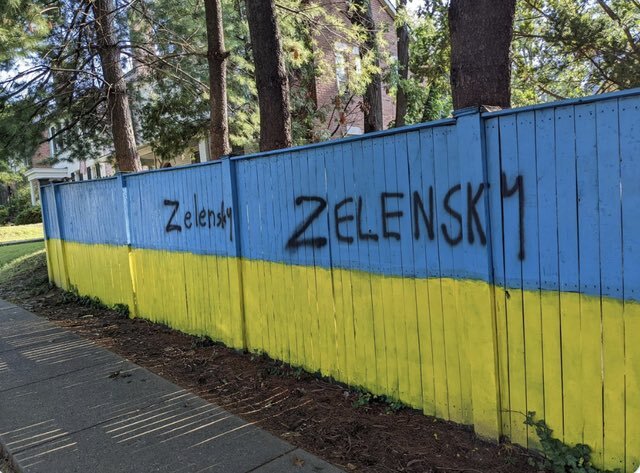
{"x": 20, "y": 134}
{"x": 365, "y": 398}
{"x": 22, "y": 24}
{"x": 175, "y": 111}
{"x": 427, "y": 88}
{"x": 73, "y": 297}
{"x": 31, "y": 214}
{"x": 561, "y": 48}
{"x": 202, "y": 342}
{"x": 570, "y": 48}
{"x": 121, "y": 309}
{"x": 19, "y": 209}
{"x": 559, "y": 457}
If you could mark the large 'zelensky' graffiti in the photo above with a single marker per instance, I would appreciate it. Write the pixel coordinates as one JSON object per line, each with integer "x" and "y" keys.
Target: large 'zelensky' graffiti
{"x": 347, "y": 216}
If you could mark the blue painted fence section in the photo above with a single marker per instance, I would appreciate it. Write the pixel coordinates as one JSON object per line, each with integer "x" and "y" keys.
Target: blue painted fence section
{"x": 49, "y": 220}
{"x": 91, "y": 212}
{"x": 182, "y": 210}
{"x": 536, "y": 198}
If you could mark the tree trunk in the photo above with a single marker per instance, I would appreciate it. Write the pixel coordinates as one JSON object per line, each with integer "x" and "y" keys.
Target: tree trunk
{"x": 361, "y": 15}
{"x": 481, "y": 33}
{"x": 217, "y": 58}
{"x": 124, "y": 141}
{"x": 271, "y": 76}
{"x": 403, "y": 64}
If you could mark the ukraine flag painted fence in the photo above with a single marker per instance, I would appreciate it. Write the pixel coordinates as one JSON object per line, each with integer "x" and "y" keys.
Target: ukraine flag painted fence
{"x": 475, "y": 268}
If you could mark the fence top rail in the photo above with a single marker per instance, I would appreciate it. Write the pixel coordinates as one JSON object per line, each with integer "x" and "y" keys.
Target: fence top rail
{"x": 564, "y": 103}
{"x": 391, "y": 131}
{"x": 70, "y": 183}
{"x": 350, "y": 139}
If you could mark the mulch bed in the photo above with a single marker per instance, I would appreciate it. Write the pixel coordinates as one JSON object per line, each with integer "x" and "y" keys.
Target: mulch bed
{"x": 318, "y": 415}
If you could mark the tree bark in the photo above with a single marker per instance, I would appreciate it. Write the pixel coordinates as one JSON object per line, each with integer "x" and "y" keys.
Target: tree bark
{"x": 271, "y": 75}
{"x": 402, "y": 32}
{"x": 481, "y": 33}
{"x": 217, "y": 58}
{"x": 362, "y": 15}
{"x": 124, "y": 141}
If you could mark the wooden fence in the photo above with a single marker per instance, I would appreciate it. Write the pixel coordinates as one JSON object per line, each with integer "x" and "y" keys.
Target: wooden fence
{"x": 475, "y": 268}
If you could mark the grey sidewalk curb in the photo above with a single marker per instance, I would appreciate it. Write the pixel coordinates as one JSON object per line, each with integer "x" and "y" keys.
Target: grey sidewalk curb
{"x": 68, "y": 405}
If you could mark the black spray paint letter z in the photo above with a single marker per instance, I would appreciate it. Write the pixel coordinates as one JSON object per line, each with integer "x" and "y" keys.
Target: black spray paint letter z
{"x": 172, "y": 227}
{"x": 318, "y": 242}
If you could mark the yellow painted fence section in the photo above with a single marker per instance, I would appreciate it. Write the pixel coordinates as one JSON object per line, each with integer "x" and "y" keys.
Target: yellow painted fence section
{"x": 416, "y": 340}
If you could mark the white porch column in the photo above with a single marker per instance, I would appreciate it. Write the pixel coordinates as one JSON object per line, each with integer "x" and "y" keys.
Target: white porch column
{"x": 33, "y": 191}
{"x": 203, "y": 150}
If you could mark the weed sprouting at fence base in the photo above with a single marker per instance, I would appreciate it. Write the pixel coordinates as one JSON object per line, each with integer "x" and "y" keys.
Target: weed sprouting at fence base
{"x": 557, "y": 456}
{"x": 93, "y": 302}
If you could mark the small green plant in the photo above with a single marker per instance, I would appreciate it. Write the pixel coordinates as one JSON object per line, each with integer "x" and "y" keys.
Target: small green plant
{"x": 364, "y": 398}
{"x": 72, "y": 296}
{"x": 276, "y": 370}
{"x": 202, "y": 341}
{"x": 559, "y": 457}
{"x": 394, "y": 405}
{"x": 122, "y": 310}
{"x": 298, "y": 373}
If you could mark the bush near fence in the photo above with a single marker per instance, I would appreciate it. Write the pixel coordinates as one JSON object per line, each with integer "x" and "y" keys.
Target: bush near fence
{"x": 476, "y": 268}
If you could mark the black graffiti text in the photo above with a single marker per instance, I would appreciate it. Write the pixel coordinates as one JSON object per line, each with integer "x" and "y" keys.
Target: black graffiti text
{"x": 459, "y": 213}
{"x": 197, "y": 217}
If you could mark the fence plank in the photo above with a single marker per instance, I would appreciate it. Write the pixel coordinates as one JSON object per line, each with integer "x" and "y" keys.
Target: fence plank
{"x": 530, "y": 267}
{"x": 629, "y": 120}
{"x": 610, "y": 269}
{"x": 548, "y": 261}
{"x": 496, "y": 234}
{"x": 589, "y": 264}
{"x": 568, "y": 269}
{"x": 511, "y": 189}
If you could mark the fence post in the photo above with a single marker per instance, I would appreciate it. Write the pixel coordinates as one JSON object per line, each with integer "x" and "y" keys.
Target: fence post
{"x": 481, "y": 334}
{"x": 62, "y": 242}
{"x": 230, "y": 194}
{"x": 44, "y": 211}
{"x": 132, "y": 274}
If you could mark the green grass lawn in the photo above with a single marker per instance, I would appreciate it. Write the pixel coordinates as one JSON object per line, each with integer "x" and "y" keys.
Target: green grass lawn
{"x": 21, "y": 232}
{"x": 13, "y": 252}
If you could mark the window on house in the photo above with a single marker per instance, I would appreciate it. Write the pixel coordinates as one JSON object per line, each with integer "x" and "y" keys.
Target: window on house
{"x": 98, "y": 173}
{"x": 89, "y": 174}
{"x": 56, "y": 143}
{"x": 73, "y": 176}
{"x": 348, "y": 65}
{"x": 53, "y": 145}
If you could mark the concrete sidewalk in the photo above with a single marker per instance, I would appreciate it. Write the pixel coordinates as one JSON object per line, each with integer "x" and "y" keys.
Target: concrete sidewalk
{"x": 67, "y": 405}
